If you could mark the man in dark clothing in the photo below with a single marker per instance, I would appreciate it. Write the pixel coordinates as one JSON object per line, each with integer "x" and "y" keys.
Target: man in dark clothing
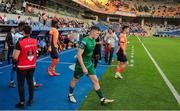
{"x": 9, "y": 44}
{"x": 97, "y": 52}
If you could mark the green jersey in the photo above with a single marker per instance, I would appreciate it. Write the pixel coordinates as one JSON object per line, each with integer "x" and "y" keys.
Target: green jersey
{"x": 87, "y": 44}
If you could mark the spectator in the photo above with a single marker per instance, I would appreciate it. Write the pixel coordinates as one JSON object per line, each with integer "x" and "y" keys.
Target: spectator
{"x": 97, "y": 51}
{"x": 71, "y": 40}
{"x": 4, "y": 19}
{"x": 18, "y": 20}
{"x": 9, "y": 43}
{"x": 43, "y": 46}
{"x": 109, "y": 39}
{"x": 24, "y": 6}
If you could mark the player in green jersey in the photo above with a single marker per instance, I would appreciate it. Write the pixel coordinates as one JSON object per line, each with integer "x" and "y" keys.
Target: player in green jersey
{"x": 84, "y": 65}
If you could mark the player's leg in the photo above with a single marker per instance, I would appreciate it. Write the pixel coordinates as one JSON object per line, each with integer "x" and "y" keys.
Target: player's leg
{"x": 55, "y": 60}
{"x": 71, "y": 89}
{"x": 119, "y": 70}
{"x": 77, "y": 75}
{"x": 97, "y": 88}
{"x": 122, "y": 64}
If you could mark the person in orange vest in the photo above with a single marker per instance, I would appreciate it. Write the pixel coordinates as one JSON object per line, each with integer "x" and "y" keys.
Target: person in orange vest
{"x": 25, "y": 56}
{"x": 53, "y": 48}
{"x": 121, "y": 53}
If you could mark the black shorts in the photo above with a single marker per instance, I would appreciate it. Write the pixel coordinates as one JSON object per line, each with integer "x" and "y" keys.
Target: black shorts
{"x": 120, "y": 56}
{"x": 54, "y": 53}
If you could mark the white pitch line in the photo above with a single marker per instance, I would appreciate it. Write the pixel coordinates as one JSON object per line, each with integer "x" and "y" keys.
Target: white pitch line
{"x": 131, "y": 65}
{"x": 70, "y": 63}
{"x": 75, "y": 56}
{"x": 132, "y": 57}
{"x": 107, "y": 65}
{"x": 72, "y": 67}
{"x": 5, "y": 66}
{"x": 168, "y": 83}
{"x": 40, "y": 59}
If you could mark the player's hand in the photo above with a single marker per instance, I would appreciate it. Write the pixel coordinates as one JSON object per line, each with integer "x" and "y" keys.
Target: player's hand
{"x": 85, "y": 71}
{"x": 49, "y": 49}
{"x": 60, "y": 48}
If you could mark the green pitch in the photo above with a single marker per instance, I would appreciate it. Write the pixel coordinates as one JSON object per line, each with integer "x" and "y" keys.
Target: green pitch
{"x": 142, "y": 87}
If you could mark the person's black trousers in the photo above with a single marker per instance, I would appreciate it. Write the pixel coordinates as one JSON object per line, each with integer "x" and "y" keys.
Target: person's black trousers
{"x": 9, "y": 54}
{"x": 21, "y": 75}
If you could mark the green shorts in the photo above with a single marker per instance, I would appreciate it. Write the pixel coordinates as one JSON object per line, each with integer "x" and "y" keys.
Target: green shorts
{"x": 78, "y": 73}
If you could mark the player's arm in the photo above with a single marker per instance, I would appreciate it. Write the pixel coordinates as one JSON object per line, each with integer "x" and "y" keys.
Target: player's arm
{"x": 55, "y": 41}
{"x": 80, "y": 60}
{"x": 50, "y": 39}
{"x": 122, "y": 47}
{"x": 81, "y": 49}
{"x": 117, "y": 50}
{"x": 49, "y": 43}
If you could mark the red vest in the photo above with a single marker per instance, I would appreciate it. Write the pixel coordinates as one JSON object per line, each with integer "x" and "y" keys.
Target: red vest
{"x": 28, "y": 56}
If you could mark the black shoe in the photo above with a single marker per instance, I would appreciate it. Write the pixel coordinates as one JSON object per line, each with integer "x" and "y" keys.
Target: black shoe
{"x": 12, "y": 85}
{"x": 20, "y": 105}
{"x": 37, "y": 86}
{"x": 30, "y": 102}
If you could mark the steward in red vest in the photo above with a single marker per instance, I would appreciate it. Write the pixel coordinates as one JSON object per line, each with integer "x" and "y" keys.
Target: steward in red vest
{"x": 25, "y": 55}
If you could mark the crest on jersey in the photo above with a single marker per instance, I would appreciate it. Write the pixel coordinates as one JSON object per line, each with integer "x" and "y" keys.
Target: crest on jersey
{"x": 30, "y": 55}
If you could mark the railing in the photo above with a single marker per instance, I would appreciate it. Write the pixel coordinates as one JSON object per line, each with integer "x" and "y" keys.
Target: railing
{"x": 35, "y": 5}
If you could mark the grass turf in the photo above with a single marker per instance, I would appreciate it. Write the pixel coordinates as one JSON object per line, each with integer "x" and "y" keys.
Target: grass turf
{"x": 142, "y": 87}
